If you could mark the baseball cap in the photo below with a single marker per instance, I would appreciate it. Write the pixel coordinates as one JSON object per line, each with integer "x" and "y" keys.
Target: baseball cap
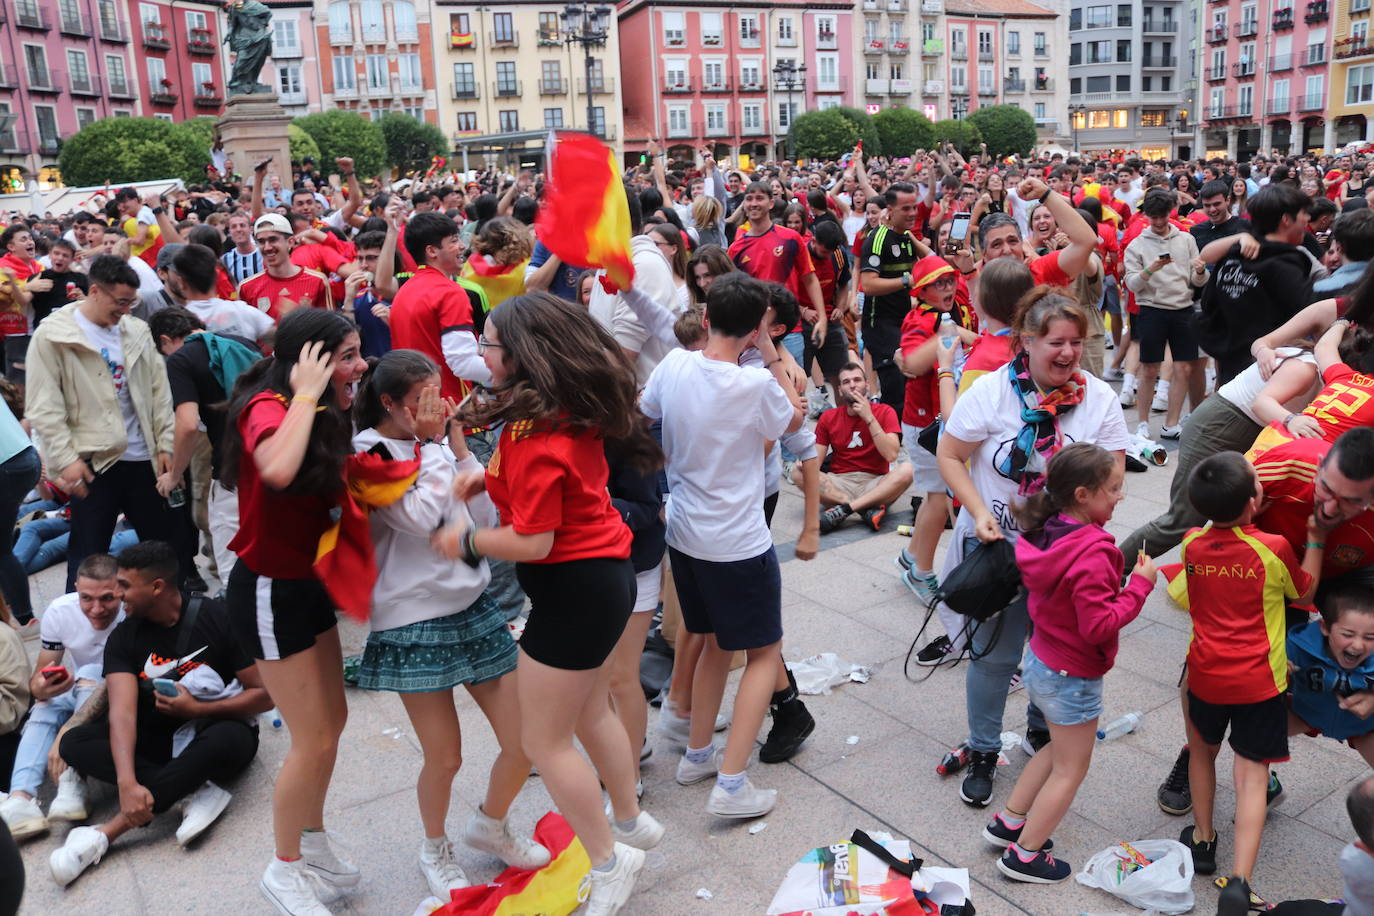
{"x": 929, "y": 269}
{"x": 166, "y": 253}
{"x": 272, "y": 222}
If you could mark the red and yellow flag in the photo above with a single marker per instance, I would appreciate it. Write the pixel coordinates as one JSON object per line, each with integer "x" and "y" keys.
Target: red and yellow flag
{"x": 585, "y": 219}
{"x": 550, "y": 891}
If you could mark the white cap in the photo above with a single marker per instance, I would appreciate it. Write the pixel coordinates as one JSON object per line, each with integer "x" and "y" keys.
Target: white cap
{"x": 273, "y": 222}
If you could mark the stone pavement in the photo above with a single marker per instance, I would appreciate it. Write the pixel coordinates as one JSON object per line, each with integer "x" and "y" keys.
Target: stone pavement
{"x": 849, "y": 601}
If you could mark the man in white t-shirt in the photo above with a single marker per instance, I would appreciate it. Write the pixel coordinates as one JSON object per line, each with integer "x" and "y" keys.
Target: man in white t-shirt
{"x": 75, "y": 625}
{"x": 192, "y": 278}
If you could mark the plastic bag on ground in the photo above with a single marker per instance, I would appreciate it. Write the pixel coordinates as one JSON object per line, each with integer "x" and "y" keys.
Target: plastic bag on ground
{"x": 818, "y": 673}
{"x": 1164, "y": 885}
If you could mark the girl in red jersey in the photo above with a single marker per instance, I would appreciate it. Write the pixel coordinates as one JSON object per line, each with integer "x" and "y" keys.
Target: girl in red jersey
{"x": 562, "y": 387}
{"x": 285, "y": 453}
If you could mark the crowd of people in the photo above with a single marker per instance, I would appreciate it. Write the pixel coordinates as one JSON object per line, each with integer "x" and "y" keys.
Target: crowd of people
{"x": 392, "y": 399}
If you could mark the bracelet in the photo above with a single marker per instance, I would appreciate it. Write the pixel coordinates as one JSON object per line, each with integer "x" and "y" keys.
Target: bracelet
{"x": 158, "y": 211}
{"x": 1287, "y": 419}
{"x": 945, "y": 374}
{"x": 470, "y": 555}
{"x": 972, "y": 270}
{"x": 305, "y": 397}
{"x": 1313, "y": 545}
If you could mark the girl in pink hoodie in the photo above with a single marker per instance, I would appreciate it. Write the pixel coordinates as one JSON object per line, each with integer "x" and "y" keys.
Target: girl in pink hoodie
{"x": 1072, "y": 571}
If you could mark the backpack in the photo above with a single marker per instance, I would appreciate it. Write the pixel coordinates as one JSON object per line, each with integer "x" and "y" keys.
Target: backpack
{"x": 228, "y": 359}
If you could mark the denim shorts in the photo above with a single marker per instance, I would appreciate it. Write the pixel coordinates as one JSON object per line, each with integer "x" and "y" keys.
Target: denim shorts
{"x": 1063, "y": 698}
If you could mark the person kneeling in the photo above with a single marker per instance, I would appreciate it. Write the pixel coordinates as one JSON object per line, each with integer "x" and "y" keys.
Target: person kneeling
{"x": 159, "y": 748}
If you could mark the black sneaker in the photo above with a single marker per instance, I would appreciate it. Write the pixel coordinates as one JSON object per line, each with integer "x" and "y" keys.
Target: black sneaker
{"x": 1000, "y": 835}
{"x": 1274, "y": 791}
{"x": 1174, "y": 796}
{"x": 874, "y": 517}
{"x": 1034, "y": 740}
{"x": 792, "y": 723}
{"x": 833, "y": 518}
{"x": 976, "y": 788}
{"x": 1234, "y": 899}
{"x": 1042, "y": 868}
{"x": 1135, "y": 465}
{"x": 936, "y": 651}
{"x": 1204, "y": 854}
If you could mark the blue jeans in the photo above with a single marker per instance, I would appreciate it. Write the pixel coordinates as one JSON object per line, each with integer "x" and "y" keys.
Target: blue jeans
{"x": 31, "y": 759}
{"x": 43, "y": 543}
{"x": 18, "y": 476}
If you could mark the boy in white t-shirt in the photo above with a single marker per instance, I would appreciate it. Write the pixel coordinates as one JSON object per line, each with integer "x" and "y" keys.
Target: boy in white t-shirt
{"x": 193, "y": 277}
{"x": 716, "y": 417}
{"x": 75, "y": 624}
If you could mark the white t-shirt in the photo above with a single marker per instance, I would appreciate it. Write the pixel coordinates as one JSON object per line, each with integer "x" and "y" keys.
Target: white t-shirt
{"x": 111, "y": 346}
{"x": 1130, "y": 198}
{"x": 990, "y": 413}
{"x": 1245, "y": 387}
{"x": 716, "y": 416}
{"x": 654, "y": 278}
{"x": 63, "y": 626}
{"x": 224, "y": 316}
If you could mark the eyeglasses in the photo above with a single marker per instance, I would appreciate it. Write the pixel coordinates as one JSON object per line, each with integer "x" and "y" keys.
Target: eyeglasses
{"x": 483, "y": 345}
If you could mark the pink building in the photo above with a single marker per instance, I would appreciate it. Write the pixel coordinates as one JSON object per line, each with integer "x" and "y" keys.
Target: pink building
{"x": 296, "y": 63}
{"x": 730, "y": 78}
{"x": 180, "y": 74}
{"x": 1264, "y": 76}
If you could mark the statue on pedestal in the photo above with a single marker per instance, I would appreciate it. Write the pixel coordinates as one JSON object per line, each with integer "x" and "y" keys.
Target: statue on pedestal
{"x": 250, "y": 38}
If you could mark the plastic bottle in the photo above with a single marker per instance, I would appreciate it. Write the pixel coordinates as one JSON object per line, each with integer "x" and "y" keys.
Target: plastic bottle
{"x": 1122, "y": 725}
{"x": 273, "y": 716}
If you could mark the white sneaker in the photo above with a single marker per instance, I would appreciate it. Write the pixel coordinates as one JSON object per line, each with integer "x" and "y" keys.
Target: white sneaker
{"x": 645, "y": 834}
{"x": 70, "y": 801}
{"x": 747, "y": 802}
{"x": 205, "y": 805}
{"x": 1127, "y": 395}
{"x": 1211, "y": 386}
{"x": 1142, "y": 429}
{"x": 320, "y": 857}
{"x": 610, "y": 890}
{"x": 441, "y": 870}
{"x": 689, "y": 773}
{"x": 1161, "y": 402}
{"x": 1112, "y": 374}
{"x": 23, "y": 817}
{"x": 83, "y": 848}
{"x": 673, "y": 727}
{"x": 293, "y": 888}
{"x": 494, "y": 837}
{"x": 1171, "y": 432}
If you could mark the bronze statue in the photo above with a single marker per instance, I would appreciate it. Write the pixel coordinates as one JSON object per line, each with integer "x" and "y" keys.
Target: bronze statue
{"x": 250, "y": 38}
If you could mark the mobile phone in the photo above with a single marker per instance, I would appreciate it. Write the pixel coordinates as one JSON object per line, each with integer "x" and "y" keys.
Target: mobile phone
{"x": 165, "y": 686}
{"x": 958, "y": 227}
{"x": 55, "y": 673}
{"x": 1166, "y": 256}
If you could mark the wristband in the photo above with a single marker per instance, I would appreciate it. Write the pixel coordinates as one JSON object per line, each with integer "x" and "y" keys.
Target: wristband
{"x": 470, "y": 555}
{"x": 1287, "y": 419}
{"x": 1313, "y": 545}
{"x": 158, "y": 211}
{"x": 972, "y": 270}
{"x": 305, "y": 397}
{"x": 945, "y": 374}
{"x": 906, "y": 280}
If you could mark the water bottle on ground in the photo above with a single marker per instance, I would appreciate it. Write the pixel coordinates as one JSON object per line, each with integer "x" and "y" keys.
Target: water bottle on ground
{"x": 1122, "y": 725}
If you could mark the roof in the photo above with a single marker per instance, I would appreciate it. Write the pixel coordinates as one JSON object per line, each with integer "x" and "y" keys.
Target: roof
{"x": 996, "y": 8}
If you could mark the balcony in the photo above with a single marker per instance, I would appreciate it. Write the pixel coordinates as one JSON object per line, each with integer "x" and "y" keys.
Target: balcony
{"x": 120, "y": 89}
{"x": 293, "y": 98}
{"x": 987, "y": 91}
{"x": 202, "y": 43}
{"x": 1247, "y": 29}
{"x": 675, "y": 84}
{"x": 961, "y": 91}
{"x": 604, "y": 85}
{"x": 933, "y": 47}
{"x": 874, "y": 46}
{"x": 1216, "y": 34}
{"x": 720, "y": 85}
{"x": 1153, "y": 62}
{"x": 506, "y": 89}
{"x": 749, "y": 38}
{"x": 342, "y": 36}
{"x": 986, "y": 57}
{"x": 285, "y": 51}
{"x": 1314, "y": 56}
{"x": 474, "y": 90}
{"x": 12, "y": 141}
{"x": 84, "y": 84}
{"x": 208, "y": 98}
{"x": 1244, "y": 68}
{"x": 718, "y": 130}
{"x": 155, "y": 37}
{"x": 346, "y": 92}
{"x": 31, "y": 16}
{"x": 752, "y": 129}
{"x": 682, "y": 130}
{"x": 1355, "y": 46}
{"x": 49, "y": 146}
{"x": 1312, "y": 102}
{"x": 933, "y": 7}
{"x": 1159, "y": 27}
{"x": 45, "y": 81}
{"x": 896, "y": 6}
{"x": 1279, "y": 106}
{"x": 113, "y": 31}
{"x": 1042, "y": 84}
{"x": 1280, "y": 62}
{"x": 1011, "y": 85}
{"x": 899, "y": 46}
{"x": 1214, "y": 74}
{"x": 826, "y": 41}
{"x": 1283, "y": 19}
{"x": 462, "y": 41}
{"x": 547, "y": 38}
{"x": 504, "y": 39}
{"x": 1228, "y": 112}
{"x": 898, "y": 87}
{"x": 70, "y": 22}
{"x": 959, "y": 53}
{"x": 164, "y": 95}
{"x": 1317, "y": 11}
{"x": 407, "y": 36}
{"x": 1050, "y": 124}
{"x": 877, "y": 87}
{"x": 546, "y": 87}
{"x": 933, "y": 87}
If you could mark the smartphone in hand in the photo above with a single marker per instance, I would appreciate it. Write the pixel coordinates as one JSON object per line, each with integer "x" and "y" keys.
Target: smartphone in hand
{"x": 165, "y": 686}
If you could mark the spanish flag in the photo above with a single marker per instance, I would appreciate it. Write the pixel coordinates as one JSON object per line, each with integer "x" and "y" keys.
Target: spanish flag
{"x": 553, "y": 890}
{"x": 344, "y": 561}
{"x": 585, "y": 219}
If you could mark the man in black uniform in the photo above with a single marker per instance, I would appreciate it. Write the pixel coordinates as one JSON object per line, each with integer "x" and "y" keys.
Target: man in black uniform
{"x": 885, "y": 278}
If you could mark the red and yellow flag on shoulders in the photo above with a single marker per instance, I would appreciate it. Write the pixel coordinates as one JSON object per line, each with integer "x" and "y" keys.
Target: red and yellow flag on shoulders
{"x": 585, "y": 218}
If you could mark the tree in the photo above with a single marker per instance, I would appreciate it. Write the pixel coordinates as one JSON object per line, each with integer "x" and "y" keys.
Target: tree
{"x": 867, "y": 131}
{"x": 411, "y": 144}
{"x": 346, "y": 133}
{"x": 202, "y": 128}
{"x": 123, "y": 150}
{"x": 903, "y": 131}
{"x": 963, "y": 134}
{"x": 302, "y": 145}
{"x": 823, "y": 135}
{"x": 1006, "y": 129}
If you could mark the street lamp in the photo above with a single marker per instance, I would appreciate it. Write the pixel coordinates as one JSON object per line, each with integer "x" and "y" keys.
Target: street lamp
{"x": 587, "y": 26}
{"x": 958, "y": 108}
{"x": 1074, "y": 112}
{"x": 1178, "y": 124}
{"x": 789, "y": 76}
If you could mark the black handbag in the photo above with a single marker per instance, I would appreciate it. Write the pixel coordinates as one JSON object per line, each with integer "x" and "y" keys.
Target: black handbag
{"x": 984, "y": 583}
{"x": 929, "y": 438}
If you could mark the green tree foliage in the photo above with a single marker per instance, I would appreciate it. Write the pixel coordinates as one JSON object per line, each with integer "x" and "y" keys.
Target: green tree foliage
{"x": 868, "y": 132}
{"x": 963, "y": 134}
{"x": 903, "y": 131}
{"x": 302, "y": 145}
{"x": 1006, "y": 129}
{"x": 123, "y": 150}
{"x": 346, "y": 133}
{"x": 823, "y": 134}
{"x": 411, "y": 144}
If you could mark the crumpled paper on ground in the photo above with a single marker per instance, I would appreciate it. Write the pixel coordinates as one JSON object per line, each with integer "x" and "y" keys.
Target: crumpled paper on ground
{"x": 816, "y": 674}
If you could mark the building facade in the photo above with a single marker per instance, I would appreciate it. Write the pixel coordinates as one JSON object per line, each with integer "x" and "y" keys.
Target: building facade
{"x": 296, "y": 62}
{"x": 1130, "y": 78}
{"x": 1350, "y": 110}
{"x": 179, "y": 60}
{"x": 889, "y": 50}
{"x": 376, "y": 57}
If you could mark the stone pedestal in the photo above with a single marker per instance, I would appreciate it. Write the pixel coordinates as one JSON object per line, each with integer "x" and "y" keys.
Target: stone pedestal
{"x": 254, "y": 128}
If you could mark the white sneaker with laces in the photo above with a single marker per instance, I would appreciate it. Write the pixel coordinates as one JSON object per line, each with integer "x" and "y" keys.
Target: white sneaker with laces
{"x": 645, "y": 834}
{"x": 689, "y": 773}
{"x": 293, "y": 889}
{"x": 1171, "y": 432}
{"x": 1161, "y": 402}
{"x": 204, "y": 807}
{"x": 495, "y": 837}
{"x": 23, "y": 817}
{"x": 1142, "y": 430}
{"x": 83, "y": 848}
{"x": 441, "y": 870}
{"x": 674, "y": 727}
{"x": 1112, "y": 374}
{"x": 320, "y": 857}
{"x": 1127, "y": 395}
{"x": 70, "y": 802}
{"x": 748, "y": 802}
{"x": 611, "y": 889}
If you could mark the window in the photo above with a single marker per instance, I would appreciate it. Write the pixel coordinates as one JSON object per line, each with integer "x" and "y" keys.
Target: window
{"x": 958, "y": 78}
{"x": 378, "y": 72}
{"x": 285, "y": 39}
{"x": 151, "y": 14}
{"x": 1123, "y": 51}
{"x": 1076, "y": 85}
{"x": 157, "y": 75}
{"x": 1013, "y": 43}
{"x": 715, "y": 120}
{"x": 1099, "y": 17}
{"x": 750, "y": 75}
{"x": 467, "y": 122}
{"x": 1249, "y": 18}
{"x": 1147, "y": 83}
{"x": 204, "y": 78}
{"x": 675, "y": 73}
{"x": 1246, "y": 98}
{"x": 1099, "y": 84}
{"x": 79, "y": 69}
{"x": 984, "y": 42}
{"x": 459, "y": 24}
{"x": 1218, "y": 60}
{"x": 122, "y": 113}
{"x": 894, "y": 31}
{"x": 340, "y": 22}
{"x": 1123, "y": 14}
{"x": 289, "y": 81}
{"x": 752, "y": 117}
{"x": 553, "y": 117}
{"x": 503, "y": 28}
{"x": 957, "y": 41}
{"x": 749, "y": 30}
{"x": 1075, "y": 54}
{"x": 598, "y": 125}
{"x": 928, "y": 31}
{"x": 114, "y": 72}
{"x": 46, "y": 117}
{"x": 1040, "y": 44}
{"x": 871, "y": 31}
{"x": 985, "y": 82}
{"x": 84, "y": 117}
{"x": 871, "y": 70}
{"x": 345, "y": 74}
{"x": 374, "y": 25}
{"x": 109, "y": 17}
{"x": 464, "y": 80}
{"x": 674, "y": 28}
{"x": 1079, "y": 119}
{"x": 712, "y": 30}
{"x": 403, "y": 18}
{"x": 1039, "y": 111}
{"x": 1152, "y": 118}
{"x": 1280, "y": 93}
{"x": 409, "y": 67}
{"x": 1315, "y": 90}
{"x": 1075, "y": 20}
{"x": 713, "y": 74}
{"x": 596, "y": 79}
{"x": 1099, "y": 119}
{"x": 825, "y": 28}
{"x": 894, "y": 71}
{"x": 1359, "y": 32}
{"x": 1099, "y": 52}
{"x": 1123, "y": 82}
{"x": 677, "y": 121}
{"x": 785, "y": 112}
{"x": 785, "y": 36}
{"x": 1121, "y": 118}
{"x": 548, "y": 32}
{"x": 828, "y": 72}
{"x": 550, "y": 73}
{"x": 508, "y": 121}
{"x": 505, "y": 78}
{"x": 1359, "y": 85}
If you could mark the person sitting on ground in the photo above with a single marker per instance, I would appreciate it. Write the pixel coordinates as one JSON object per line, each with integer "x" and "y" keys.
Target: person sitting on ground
{"x": 866, "y": 472}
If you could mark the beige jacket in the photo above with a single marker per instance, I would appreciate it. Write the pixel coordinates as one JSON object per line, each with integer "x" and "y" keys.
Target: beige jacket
{"x": 71, "y": 401}
{"x": 14, "y": 679}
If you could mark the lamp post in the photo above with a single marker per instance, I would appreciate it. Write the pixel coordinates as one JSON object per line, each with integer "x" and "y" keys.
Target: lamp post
{"x": 1074, "y": 112}
{"x": 1178, "y": 124}
{"x": 589, "y": 27}
{"x": 958, "y": 108}
{"x": 789, "y": 76}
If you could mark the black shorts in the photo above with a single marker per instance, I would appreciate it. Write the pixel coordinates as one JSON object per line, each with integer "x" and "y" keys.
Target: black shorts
{"x": 276, "y": 618}
{"x": 833, "y": 352}
{"x": 1259, "y": 731}
{"x": 1166, "y": 326}
{"x": 578, "y": 610}
{"x": 740, "y": 601}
